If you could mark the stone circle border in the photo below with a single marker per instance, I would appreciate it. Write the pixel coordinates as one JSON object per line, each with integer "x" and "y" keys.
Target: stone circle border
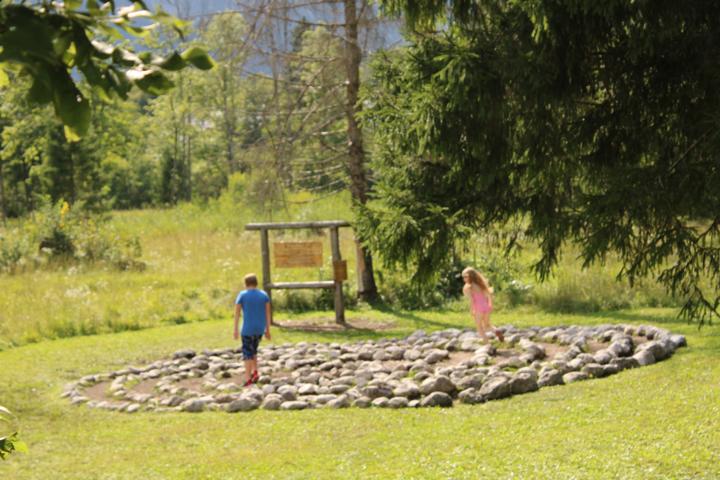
{"x": 423, "y": 369}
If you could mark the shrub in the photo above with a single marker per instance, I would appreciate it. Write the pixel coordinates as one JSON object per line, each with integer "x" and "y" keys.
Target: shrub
{"x": 60, "y": 235}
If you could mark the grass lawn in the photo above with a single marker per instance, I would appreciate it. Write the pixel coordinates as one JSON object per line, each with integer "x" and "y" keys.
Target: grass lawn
{"x": 661, "y": 421}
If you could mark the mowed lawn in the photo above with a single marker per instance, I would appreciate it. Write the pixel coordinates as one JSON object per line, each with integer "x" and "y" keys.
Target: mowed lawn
{"x": 656, "y": 422}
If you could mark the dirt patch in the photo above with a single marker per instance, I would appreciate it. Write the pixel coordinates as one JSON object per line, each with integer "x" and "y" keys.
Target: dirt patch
{"x": 97, "y": 391}
{"x": 192, "y": 384}
{"x": 146, "y": 386}
{"x": 552, "y": 349}
{"x": 455, "y": 359}
{"x": 329, "y": 325}
{"x": 594, "y": 346}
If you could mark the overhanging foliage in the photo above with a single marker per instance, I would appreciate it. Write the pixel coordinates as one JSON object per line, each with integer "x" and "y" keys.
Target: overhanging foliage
{"x": 54, "y": 42}
{"x": 595, "y": 122}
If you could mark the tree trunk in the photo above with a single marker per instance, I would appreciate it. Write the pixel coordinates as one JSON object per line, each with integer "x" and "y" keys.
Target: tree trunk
{"x": 356, "y": 155}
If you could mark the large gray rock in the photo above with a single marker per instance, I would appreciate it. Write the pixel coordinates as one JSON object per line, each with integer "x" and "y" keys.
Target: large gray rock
{"x": 550, "y": 377}
{"x": 324, "y": 398}
{"x": 243, "y": 404}
{"x": 624, "y": 363}
{"x": 524, "y": 381}
{"x": 621, "y": 348}
{"x": 362, "y": 402}
{"x": 594, "y": 370}
{"x": 340, "y": 402}
{"x": 272, "y": 402}
{"x": 644, "y": 357}
{"x": 412, "y": 354}
{"x": 288, "y": 393}
{"x": 437, "y": 399}
{"x": 307, "y": 389}
{"x": 186, "y": 354}
{"x": 437, "y": 384}
{"x": 192, "y": 405}
{"x": 380, "y": 402}
{"x": 470, "y": 396}
{"x": 678, "y": 341}
{"x": 603, "y": 357}
{"x": 294, "y": 405}
{"x": 398, "y": 402}
{"x": 436, "y": 355}
{"x": 407, "y": 390}
{"x": 657, "y": 348}
{"x": 610, "y": 369}
{"x": 376, "y": 391}
{"x": 470, "y": 381}
{"x": 496, "y": 387}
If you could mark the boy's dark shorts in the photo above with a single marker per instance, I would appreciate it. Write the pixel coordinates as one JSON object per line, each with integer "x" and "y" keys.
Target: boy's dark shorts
{"x": 250, "y": 345}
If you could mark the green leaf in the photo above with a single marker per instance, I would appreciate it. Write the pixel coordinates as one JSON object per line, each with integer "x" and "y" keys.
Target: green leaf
{"x": 70, "y": 105}
{"x": 154, "y": 83}
{"x": 40, "y": 92}
{"x": 4, "y": 79}
{"x": 73, "y": 4}
{"x": 198, "y": 57}
{"x": 173, "y": 63}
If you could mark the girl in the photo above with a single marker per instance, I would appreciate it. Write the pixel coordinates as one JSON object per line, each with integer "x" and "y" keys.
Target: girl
{"x": 479, "y": 294}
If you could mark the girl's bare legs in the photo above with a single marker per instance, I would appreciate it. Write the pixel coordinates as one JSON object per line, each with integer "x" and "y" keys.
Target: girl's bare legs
{"x": 482, "y": 333}
{"x": 487, "y": 326}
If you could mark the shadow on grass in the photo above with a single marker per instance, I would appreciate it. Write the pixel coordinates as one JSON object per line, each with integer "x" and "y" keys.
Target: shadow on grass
{"x": 418, "y": 322}
{"x": 637, "y": 317}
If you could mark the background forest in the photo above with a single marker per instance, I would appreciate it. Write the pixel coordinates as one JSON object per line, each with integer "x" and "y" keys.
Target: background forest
{"x": 271, "y": 115}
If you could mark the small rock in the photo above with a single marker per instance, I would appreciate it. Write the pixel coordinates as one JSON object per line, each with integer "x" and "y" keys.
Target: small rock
{"x": 340, "y": 402}
{"x": 187, "y": 353}
{"x": 362, "y": 402}
{"x": 575, "y": 377}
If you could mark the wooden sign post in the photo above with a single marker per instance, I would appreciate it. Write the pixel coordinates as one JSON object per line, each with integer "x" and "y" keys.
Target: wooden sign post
{"x": 303, "y": 254}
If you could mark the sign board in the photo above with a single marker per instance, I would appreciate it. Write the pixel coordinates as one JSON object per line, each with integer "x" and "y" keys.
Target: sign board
{"x": 340, "y": 270}
{"x": 298, "y": 254}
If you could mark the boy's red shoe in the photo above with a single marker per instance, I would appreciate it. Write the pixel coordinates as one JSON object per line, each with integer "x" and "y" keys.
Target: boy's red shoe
{"x": 248, "y": 383}
{"x": 255, "y": 376}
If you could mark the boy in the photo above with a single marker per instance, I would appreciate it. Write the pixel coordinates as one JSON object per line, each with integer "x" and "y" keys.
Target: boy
{"x": 254, "y": 305}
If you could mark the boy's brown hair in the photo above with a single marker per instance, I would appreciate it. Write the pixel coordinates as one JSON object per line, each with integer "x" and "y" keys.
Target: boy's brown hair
{"x": 251, "y": 280}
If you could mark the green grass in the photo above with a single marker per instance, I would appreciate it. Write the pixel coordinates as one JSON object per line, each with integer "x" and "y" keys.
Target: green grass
{"x": 196, "y": 258}
{"x": 657, "y": 422}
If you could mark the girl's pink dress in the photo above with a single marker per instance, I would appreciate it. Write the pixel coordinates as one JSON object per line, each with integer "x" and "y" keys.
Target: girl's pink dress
{"x": 480, "y": 303}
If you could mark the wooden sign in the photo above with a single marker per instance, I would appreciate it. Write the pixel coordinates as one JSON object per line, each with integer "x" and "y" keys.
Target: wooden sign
{"x": 340, "y": 270}
{"x": 298, "y": 254}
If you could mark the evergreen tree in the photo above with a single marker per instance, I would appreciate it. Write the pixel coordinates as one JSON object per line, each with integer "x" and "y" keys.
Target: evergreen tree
{"x": 593, "y": 122}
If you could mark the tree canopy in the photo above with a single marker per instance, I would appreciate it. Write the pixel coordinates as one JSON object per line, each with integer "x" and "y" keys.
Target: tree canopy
{"x": 55, "y": 42}
{"x": 591, "y": 122}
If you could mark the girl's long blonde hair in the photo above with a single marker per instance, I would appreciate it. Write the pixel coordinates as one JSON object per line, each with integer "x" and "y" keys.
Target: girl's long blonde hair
{"x": 478, "y": 279}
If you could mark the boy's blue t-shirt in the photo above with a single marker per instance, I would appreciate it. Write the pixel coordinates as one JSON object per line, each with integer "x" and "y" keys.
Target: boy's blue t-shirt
{"x": 253, "y": 302}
